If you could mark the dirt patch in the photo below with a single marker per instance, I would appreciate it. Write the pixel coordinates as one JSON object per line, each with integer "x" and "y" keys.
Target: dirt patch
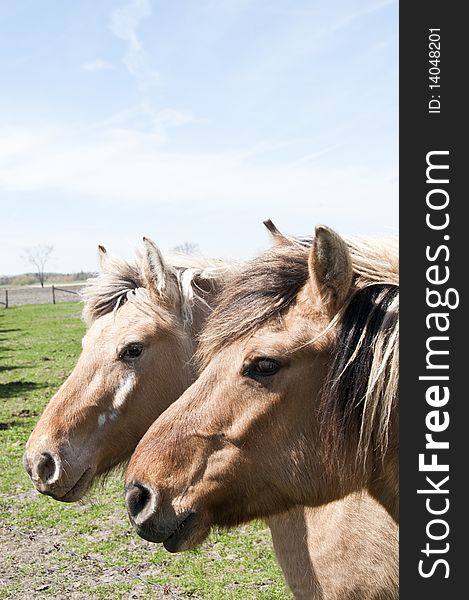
{"x": 39, "y": 565}
{"x": 37, "y": 295}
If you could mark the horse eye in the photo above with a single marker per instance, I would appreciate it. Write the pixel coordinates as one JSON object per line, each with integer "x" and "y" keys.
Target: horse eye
{"x": 131, "y": 352}
{"x": 263, "y": 367}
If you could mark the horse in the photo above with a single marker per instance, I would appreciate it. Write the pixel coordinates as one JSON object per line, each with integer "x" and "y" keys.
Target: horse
{"x": 143, "y": 319}
{"x": 296, "y": 401}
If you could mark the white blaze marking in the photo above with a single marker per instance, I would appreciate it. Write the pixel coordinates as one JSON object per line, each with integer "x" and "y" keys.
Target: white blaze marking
{"x": 125, "y": 388}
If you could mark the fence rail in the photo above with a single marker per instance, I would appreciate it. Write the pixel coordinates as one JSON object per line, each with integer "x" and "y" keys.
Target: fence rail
{"x": 38, "y": 295}
{"x": 54, "y": 288}
{"x": 6, "y": 299}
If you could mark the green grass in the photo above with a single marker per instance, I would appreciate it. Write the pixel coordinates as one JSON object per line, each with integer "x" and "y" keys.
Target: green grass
{"x": 39, "y": 346}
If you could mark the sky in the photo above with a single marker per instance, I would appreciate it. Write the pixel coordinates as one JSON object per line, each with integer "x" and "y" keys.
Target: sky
{"x": 190, "y": 121}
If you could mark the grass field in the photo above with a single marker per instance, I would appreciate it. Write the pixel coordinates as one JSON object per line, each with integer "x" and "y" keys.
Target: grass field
{"x": 88, "y": 550}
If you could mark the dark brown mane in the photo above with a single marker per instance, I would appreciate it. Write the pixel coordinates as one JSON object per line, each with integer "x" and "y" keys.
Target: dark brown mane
{"x": 260, "y": 292}
{"x": 361, "y": 387}
{"x": 266, "y": 286}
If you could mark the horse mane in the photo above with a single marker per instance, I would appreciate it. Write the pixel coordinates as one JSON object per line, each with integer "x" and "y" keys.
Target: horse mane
{"x": 361, "y": 388}
{"x": 122, "y": 281}
{"x": 362, "y": 381}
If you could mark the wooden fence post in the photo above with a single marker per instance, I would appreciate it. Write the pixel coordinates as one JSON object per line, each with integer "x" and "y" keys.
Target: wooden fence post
{"x": 53, "y": 294}
{"x": 6, "y": 298}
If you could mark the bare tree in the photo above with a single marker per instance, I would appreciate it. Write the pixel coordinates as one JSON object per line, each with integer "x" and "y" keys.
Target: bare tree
{"x": 38, "y": 257}
{"x": 187, "y": 248}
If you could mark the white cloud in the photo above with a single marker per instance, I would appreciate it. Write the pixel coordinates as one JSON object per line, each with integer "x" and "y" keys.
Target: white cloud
{"x": 173, "y": 117}
{"x": 124, "y": 24}
{"x": 97, "y": 65}
{"x": 159, "y": 121}
{"x": 17, "y": 143}
{"x": 121, "y": 166}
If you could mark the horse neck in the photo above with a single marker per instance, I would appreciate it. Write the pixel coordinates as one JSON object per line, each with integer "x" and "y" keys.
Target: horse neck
{"x": 326, "y": 550}
{"x": 384, "y": 485}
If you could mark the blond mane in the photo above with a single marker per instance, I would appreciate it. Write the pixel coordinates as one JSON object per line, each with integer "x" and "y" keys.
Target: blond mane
{"x": 123, "y": 281}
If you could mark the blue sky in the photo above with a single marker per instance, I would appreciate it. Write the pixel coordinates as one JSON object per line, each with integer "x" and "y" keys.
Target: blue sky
{"x": 193, "y": 121}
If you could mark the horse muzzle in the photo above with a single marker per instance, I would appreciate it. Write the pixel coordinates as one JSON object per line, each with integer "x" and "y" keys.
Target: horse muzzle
{"x": 49, "y": 476}
{"x": 177, "y": 531}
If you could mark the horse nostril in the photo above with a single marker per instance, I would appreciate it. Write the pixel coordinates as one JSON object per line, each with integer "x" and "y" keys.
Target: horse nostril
{"x": 141, "y": 501}
{"x": 45, "y": 468}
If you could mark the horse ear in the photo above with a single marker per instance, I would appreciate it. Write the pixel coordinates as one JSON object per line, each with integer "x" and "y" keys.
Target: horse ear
{"x": 330, "y": 267}
{"x": 102, "y": 257}
{"x": 155, "y": 271}
{"x": 276, "y": 236}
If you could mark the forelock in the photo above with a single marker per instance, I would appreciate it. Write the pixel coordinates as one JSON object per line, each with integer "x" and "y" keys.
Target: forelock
{"x": 110, "y": 288}
{"x": 262, "y": 291}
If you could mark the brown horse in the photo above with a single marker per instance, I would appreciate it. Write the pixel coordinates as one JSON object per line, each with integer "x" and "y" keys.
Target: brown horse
{"x": 143, "y": 319}
{"x": 97, "y": 417}
{"x": 296, "y": 402}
